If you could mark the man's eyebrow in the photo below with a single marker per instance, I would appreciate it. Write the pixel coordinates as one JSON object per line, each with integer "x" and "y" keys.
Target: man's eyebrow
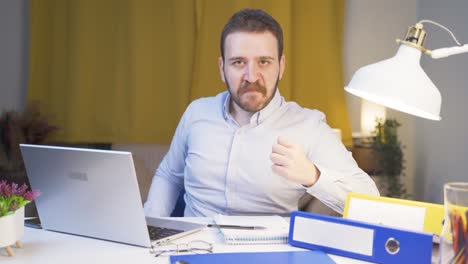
{"x": 235, "y": 58}
{"x": 266, "y": 58}
{"x": 260, "y": 58}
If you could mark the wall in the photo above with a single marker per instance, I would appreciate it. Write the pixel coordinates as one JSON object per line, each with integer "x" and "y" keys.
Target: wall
{"x": 442, "y": 147}
{"x": 13, "y": 53}
{"x": 371, "y": 28}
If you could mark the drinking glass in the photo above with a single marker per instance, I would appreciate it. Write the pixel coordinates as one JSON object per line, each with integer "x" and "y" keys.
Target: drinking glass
{"x": 454, "y": 238}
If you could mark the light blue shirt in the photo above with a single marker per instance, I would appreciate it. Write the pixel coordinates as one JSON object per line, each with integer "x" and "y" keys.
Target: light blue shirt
{"x": 226, "y": 168}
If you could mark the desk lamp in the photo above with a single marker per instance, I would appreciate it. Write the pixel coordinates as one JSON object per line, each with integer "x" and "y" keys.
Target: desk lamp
{"x": 400, "y": 82}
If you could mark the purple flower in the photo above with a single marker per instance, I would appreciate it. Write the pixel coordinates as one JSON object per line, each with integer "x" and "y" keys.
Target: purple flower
{"x": 5, "y": 189}
{"x": 31, "y": 195}
{"x": 14, "y": 188}
{"x": 13, "y": 197}
{"x": 21, "y": 190}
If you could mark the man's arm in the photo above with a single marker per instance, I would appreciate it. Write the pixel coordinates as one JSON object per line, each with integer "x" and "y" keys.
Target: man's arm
{"x": 162, "y": 197}
{"x": 339, "y": 172}
{"x": 168, "y": 180}
{"x": 327, "y": 170}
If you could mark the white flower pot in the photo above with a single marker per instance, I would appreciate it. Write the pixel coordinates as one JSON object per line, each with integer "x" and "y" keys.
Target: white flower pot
{"x": 11, "y": 228}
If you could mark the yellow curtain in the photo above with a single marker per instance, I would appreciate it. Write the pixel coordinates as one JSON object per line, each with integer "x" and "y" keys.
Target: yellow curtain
{"x": 124, "y": 70}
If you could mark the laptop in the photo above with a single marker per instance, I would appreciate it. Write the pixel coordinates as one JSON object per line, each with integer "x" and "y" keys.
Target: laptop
{"x": 94, "y": 193}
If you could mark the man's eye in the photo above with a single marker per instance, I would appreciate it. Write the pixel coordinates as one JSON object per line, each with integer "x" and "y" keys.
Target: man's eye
{"x": 264, "y": 62}
{"x": 238, "y": 63}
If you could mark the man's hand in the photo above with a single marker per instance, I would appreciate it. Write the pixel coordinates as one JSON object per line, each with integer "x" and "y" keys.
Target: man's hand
{"x": 290, "y": 161}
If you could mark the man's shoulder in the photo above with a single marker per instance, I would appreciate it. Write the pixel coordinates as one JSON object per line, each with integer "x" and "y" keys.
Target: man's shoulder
{"x": 307, "y": 114}
{"x": 206, "y": 107}
{"x": 208, "y": 102}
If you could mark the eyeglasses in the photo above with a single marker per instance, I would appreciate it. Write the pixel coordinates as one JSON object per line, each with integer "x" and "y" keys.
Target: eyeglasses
{"x": 196, "y": 246}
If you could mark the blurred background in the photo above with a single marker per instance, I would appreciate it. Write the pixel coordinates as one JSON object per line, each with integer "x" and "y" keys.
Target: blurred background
{"x": 119, "y": 74}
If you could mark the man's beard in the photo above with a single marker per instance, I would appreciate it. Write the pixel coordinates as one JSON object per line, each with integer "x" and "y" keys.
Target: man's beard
{"x": 250, "y": 87}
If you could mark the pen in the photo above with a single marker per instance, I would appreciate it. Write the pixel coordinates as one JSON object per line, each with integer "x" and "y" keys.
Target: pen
{"x": 237, "y": 227}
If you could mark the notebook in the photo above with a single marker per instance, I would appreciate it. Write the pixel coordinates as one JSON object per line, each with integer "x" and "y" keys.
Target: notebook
{"x": 276, "y": 231}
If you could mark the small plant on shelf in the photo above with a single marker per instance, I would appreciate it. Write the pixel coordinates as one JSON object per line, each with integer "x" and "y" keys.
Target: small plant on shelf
{"x": 391, "y": 163}
{"x": 29, "y": 127}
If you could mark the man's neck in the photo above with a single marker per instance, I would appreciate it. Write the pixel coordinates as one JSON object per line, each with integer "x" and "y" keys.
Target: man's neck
{"x": 241, "y": 116}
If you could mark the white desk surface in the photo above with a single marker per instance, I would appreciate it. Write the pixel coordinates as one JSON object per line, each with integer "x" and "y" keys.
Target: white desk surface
{"x": 41, "y": 246}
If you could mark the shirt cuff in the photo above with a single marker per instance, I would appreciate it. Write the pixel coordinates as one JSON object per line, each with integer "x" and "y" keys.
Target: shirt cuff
{"x": 323, "y": 182}
{"x": 326, "y": 191}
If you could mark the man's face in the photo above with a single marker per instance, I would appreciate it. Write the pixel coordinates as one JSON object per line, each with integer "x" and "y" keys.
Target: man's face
{"x": 251, "y": 68}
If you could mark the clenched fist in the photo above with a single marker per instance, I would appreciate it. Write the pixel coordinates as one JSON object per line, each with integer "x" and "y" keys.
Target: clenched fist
{"x": 290, "y": 161}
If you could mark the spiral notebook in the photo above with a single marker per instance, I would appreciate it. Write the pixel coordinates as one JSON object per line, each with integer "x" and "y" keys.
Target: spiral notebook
{"x": 276, "y": 231}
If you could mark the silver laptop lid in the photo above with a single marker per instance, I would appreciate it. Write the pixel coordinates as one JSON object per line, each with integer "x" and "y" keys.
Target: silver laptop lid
{"x": 87, "y": 192}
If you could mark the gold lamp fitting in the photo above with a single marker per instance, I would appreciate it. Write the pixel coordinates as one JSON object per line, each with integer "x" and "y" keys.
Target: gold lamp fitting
{"x": 415, "y": 38}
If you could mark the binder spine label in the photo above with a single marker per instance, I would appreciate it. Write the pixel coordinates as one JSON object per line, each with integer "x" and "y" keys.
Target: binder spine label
{"x": 351, "y": 238}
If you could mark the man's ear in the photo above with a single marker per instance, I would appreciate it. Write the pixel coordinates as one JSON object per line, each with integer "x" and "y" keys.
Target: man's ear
{"x": 221, "y": 68}
{"x": 282, "y": 66}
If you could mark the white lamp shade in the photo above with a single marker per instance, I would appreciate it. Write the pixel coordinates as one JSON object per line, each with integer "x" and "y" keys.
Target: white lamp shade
{"x": 399, "y": 83}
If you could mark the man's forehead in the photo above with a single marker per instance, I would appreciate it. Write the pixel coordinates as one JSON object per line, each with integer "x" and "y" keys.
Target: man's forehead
{"x": 260, "y": 44}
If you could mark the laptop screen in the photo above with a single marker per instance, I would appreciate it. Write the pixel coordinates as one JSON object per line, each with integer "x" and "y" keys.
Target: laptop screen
{"x": 87, "y": 192}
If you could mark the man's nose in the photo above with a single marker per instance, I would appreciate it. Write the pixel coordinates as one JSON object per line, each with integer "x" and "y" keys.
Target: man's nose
{"x": 252, "y": 73}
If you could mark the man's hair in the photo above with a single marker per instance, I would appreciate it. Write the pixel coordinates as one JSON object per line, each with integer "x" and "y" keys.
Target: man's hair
{"x": 253, "y": 20}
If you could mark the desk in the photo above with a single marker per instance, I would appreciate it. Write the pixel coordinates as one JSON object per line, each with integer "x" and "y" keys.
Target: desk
{"x": 41, "y": 246}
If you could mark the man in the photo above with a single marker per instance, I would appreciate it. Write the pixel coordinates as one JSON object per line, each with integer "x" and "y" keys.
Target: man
{"x": 247, "y": 150}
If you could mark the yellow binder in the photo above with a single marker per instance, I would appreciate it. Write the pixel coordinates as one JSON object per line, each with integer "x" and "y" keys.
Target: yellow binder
{"x": 398, "y": 213}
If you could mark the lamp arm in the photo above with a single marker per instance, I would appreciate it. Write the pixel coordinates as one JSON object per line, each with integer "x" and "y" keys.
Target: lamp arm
{"x": 445, "y": 52}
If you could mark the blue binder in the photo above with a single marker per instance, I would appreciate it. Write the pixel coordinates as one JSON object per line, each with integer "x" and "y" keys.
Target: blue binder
{"x": 289, "y": 257}
{"x": 359, "y": 240}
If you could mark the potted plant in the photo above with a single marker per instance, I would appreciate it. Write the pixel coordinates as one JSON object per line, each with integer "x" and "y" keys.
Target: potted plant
{"x": 12, "y": 201}
{"x": 390, "y": 156}
{"x": 28, "y": 127}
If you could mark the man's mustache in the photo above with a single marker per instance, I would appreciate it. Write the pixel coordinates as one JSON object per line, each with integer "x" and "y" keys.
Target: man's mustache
{"x": 246, "y": 87}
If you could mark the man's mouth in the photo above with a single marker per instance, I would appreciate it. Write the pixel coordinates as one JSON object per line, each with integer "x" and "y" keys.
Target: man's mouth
{"x": 253, "y": 88}
{"x": 252, "y": 91}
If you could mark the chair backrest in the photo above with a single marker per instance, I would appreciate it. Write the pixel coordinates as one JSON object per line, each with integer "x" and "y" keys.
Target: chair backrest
{"x": 147, "y": 158}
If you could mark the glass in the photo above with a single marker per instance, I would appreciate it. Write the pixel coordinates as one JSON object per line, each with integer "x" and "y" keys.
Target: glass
{"x": 196, "y": 246}
{"x": 454, "y": 238}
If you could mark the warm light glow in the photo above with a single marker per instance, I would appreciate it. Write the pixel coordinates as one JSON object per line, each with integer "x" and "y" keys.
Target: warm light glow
{"x": 369, "y": 113}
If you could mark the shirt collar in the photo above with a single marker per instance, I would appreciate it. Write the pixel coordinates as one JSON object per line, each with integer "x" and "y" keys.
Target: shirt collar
{"x": 227, "y": 99}
{"x": 272, "y": 106}
{"x": 261, "y": 115}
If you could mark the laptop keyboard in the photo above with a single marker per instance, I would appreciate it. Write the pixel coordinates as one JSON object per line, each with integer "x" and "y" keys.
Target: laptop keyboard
{"x": 157, "y": 233}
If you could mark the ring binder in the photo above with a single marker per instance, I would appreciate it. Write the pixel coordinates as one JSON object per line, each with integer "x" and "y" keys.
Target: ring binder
{"x": 359, "y": 240}
{"x": 394, "y": 212}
